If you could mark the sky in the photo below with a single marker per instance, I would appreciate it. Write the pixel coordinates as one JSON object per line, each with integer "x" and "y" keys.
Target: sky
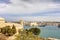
{"x": 30, "y": 10}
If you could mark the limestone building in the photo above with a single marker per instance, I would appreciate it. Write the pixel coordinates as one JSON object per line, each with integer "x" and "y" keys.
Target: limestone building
{"x": 4, "y": 24}
{"x": 34, "y": 24}
{"x": 2, "y": 20}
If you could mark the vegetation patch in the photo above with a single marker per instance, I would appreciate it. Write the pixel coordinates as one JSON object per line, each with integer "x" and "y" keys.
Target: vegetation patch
{"x": 8, "y": 31}
{"x": 27, "y": 35}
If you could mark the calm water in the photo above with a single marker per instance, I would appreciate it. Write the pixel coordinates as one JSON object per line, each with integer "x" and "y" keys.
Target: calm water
{"x": 48, "y": 31}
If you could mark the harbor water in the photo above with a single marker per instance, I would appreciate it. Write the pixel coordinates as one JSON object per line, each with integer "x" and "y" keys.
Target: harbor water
{"x": 48, "y": 31}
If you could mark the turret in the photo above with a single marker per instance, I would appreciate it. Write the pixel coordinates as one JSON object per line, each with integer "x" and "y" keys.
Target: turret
{"x": 21, "y": 22}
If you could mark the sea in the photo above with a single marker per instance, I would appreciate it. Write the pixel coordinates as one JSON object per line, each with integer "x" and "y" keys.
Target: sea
{"x": 48, "y": 31}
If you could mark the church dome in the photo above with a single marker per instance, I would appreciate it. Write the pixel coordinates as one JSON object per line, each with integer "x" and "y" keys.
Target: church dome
{"x": 2, "y": 19}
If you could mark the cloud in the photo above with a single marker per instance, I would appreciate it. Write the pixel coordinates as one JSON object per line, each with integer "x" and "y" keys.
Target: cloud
{"x": 43, "y": 1}
{"x": 20, "y": 6}
{"x": 4, "y": 1}
{"x": 36, "y": 18}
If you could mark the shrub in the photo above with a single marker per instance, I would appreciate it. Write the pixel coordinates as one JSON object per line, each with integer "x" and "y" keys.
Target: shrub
{"x": 8, "y": 31}
{"x": 23, "y": 36}
{"x": 5, "y": 30}
{"x": 35, "y": 31}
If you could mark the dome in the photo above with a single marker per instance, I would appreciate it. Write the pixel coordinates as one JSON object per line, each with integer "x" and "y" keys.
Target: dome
{"x": 2, "y": 19}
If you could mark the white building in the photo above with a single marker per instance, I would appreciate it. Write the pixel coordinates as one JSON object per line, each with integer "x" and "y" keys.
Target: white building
{"x": 33, "y": 24}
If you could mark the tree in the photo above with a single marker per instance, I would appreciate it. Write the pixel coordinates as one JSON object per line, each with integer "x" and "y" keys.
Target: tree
{"x": 35, "y": 31}
{"x": 13, "y": 29}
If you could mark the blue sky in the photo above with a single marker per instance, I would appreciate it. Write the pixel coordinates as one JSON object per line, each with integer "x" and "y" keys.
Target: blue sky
{"x": 15, "y": 10}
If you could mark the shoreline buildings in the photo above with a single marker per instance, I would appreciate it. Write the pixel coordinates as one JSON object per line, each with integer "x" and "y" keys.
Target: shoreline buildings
{"x": 21, "y": 23}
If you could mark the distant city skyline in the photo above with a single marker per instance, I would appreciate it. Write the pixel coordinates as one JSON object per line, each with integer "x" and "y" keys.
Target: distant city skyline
{"x": 35, "y": 10}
